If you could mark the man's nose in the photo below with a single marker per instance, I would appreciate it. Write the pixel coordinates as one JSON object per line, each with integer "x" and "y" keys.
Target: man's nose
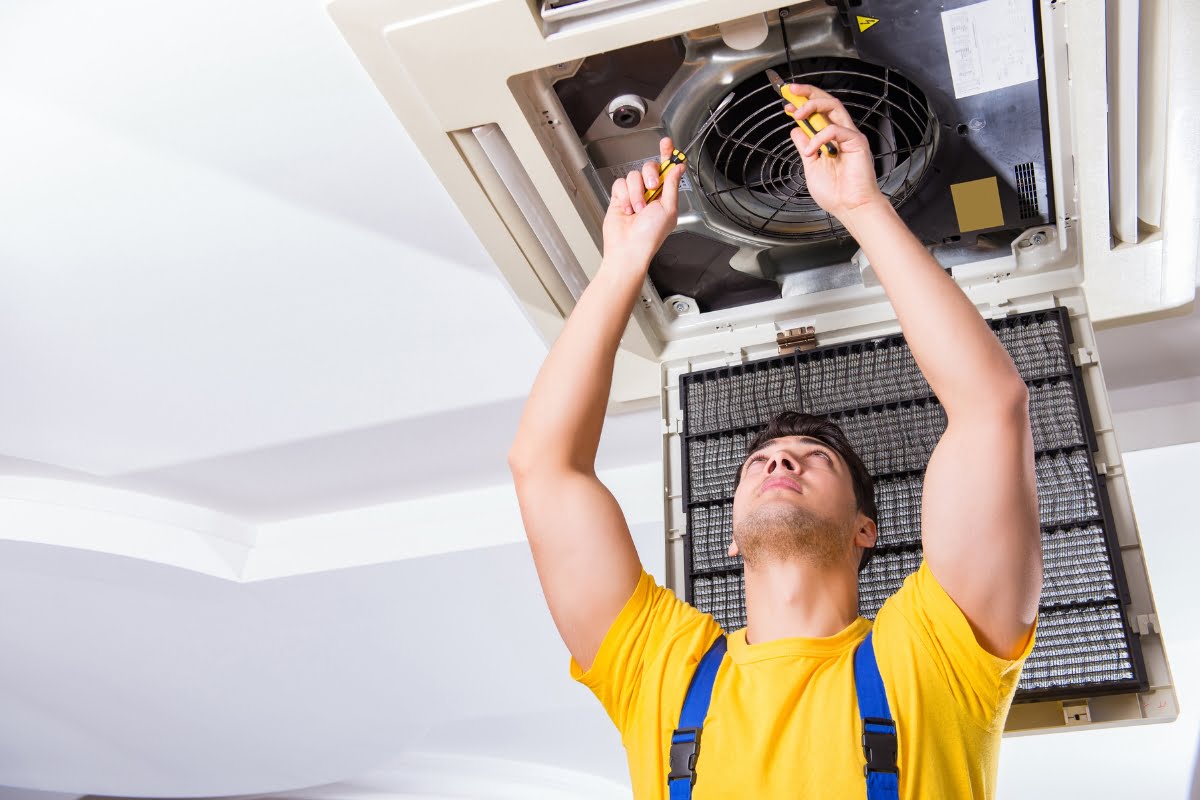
{"x": 781, "y": 461}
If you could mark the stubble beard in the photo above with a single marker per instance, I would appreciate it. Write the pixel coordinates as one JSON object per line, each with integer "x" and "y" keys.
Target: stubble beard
{"x": 781, "y": 532}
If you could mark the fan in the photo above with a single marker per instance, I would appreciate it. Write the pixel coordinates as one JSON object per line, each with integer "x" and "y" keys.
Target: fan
{"x": 751, "y": 174}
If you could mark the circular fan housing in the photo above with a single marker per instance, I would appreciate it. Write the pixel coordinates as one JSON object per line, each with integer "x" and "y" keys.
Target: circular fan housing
{"x": 750, "y": 172}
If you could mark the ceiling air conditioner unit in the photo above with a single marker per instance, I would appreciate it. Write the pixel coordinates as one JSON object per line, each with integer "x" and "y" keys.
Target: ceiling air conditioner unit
{"x": 1034, "y": 178}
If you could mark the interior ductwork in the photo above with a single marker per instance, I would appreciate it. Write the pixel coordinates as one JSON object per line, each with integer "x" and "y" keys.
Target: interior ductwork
{"x": 750, "y": 221}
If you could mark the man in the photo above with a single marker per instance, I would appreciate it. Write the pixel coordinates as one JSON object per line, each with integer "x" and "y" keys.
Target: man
{"x": 784, "y": 719}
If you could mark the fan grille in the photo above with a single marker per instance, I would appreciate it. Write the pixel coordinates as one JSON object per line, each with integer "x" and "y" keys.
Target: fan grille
{"x": 751, "y": 174}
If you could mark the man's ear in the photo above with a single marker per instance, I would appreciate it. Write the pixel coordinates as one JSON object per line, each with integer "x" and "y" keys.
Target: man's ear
{"x": 867, "y": 533}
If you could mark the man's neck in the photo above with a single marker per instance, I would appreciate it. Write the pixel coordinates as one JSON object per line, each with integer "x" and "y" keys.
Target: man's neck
{"x": 792, "y": 599}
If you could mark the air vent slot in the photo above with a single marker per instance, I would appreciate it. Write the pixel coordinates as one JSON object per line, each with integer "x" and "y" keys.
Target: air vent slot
{"x": 1027, "y": 194}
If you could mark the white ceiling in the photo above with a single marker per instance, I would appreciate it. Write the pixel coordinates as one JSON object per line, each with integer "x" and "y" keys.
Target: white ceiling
{"x": 227, "y": 276}
{"x": 218, "y": 239}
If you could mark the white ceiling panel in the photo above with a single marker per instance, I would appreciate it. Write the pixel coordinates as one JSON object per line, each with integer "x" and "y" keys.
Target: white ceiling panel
{"x": 219, "y": 239}
{"x": 228, "y": 277}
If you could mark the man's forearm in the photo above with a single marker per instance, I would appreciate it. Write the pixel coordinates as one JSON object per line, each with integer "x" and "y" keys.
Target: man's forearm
{"x": 962, "y": 359}
{"x": 564, "y": 415}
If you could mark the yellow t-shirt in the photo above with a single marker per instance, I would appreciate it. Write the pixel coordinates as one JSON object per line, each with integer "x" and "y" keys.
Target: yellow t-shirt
{"x": 784, "y": 722}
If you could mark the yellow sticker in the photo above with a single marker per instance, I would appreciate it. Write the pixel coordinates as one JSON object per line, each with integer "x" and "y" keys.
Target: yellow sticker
{"x": 977, "y": 204}
{"x": 865, "y": 22}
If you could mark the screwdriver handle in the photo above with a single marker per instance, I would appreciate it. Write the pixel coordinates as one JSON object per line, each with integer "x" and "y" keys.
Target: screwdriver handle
{"x": 813, "y": 124}
{"x": 677, "y": 157}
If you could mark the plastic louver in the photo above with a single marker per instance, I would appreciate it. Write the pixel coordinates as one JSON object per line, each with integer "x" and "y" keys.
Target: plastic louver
{"x": 875, "y": 391}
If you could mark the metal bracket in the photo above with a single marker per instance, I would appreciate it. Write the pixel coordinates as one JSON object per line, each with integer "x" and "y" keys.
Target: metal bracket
{"x": 1035, "y": 248}
{"x": 794, "y": 339}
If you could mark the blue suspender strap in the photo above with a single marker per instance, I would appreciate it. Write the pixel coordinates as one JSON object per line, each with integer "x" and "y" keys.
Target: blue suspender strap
{"x": 685, "y": 741}
{"x": 879, "y": 730}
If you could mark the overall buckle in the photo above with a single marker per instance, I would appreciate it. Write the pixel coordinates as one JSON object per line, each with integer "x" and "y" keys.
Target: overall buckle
{"x": 683, "y": 755}
{"x": 879, "y": 746}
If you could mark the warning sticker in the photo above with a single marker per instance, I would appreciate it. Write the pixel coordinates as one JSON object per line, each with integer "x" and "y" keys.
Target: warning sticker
{"x": 865, "y": 22}
{"x": 609, "y": 174}
{"x": 990, "y": 46}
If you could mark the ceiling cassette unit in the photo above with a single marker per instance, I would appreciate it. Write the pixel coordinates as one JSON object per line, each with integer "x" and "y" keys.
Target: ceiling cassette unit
{"x": 1027, "y": 143}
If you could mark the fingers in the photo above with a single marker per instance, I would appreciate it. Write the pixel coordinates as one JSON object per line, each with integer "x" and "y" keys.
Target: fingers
{"x": 637, "y": 190}
{"x": 808, "y": 90}
{"x": 650, "y": 174}
{"x": 823, "y": 102}
{"x": 620, "y": 198}
{"x": 629, "y": 193}
{"x": 809, "y": 148}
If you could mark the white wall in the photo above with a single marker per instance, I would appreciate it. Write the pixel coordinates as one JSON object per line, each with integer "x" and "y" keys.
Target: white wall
{"x": 124, "y": 677}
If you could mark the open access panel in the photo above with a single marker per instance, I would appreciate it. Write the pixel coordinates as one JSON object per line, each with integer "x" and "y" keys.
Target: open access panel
{"x": 1098, "y": 658}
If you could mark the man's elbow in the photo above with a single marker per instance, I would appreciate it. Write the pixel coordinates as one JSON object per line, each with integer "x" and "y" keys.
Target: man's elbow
{"x": 527, "y": 466}
{"x": 1004, "y": 398}
{"x": 1013, "y": 396}
{"x": 520, "y": 463}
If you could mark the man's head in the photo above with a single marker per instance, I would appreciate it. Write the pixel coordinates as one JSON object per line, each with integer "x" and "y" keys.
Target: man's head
{"x": 803, "y": 492}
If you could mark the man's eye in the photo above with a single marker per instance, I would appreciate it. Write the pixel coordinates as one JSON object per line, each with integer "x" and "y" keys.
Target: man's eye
{"x": 823, "y": 455}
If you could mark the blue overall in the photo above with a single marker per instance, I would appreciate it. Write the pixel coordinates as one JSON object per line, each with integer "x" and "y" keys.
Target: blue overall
{"x": 879, "y": 730}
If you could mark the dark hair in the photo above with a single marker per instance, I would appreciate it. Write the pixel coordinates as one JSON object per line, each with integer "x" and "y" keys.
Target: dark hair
{"x": 793, "y": 423}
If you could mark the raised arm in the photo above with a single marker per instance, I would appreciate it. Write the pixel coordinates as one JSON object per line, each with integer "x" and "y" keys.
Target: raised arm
{"x": 581, "y": 545}
{"x": 980, "y": 526}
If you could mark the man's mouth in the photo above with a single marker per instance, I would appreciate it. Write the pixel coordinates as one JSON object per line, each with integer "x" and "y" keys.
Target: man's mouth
{"x": 780, "y": 483}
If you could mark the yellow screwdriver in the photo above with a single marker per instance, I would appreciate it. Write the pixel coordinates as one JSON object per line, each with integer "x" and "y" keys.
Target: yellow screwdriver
{"x": 680, "y": 156}
{"x": 813, "y": 123}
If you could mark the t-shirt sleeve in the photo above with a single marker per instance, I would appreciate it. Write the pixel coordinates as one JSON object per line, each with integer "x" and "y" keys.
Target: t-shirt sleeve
{"x": 654, "y": 632}
{"x": 981, "y": 683}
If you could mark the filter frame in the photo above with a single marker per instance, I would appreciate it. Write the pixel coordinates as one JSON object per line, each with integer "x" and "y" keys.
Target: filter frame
{"x": 1063, "y": 371}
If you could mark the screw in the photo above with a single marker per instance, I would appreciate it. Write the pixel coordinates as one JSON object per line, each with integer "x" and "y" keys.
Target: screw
{"x": 680, "y": 306}
{"x": 1038, "y": 238}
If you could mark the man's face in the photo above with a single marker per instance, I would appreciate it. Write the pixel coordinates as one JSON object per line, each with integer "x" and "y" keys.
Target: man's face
{"x": 796, "y": 498}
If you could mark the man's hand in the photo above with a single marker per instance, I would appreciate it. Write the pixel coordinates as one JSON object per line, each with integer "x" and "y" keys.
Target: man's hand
{"x": 633, "y": 228}
{"x": 847, "y": 181}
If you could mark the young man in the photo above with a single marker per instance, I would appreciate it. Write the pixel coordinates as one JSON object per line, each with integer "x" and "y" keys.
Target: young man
{"x": 784, "y": 719}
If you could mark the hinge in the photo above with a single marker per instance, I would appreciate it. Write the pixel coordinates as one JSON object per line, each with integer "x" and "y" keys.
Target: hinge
{"x": 794, "y": 339}
{"x": 999, "y": 311}
{"x": 1146, "y": 624}
{"x": 1076, "y": 712}
{"x": 1084, "y": 356}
